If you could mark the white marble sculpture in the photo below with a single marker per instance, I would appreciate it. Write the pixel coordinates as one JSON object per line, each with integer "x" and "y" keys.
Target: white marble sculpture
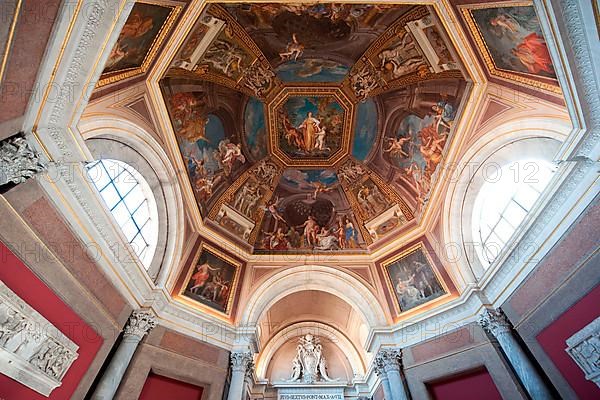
{"x": 310, "y": 365}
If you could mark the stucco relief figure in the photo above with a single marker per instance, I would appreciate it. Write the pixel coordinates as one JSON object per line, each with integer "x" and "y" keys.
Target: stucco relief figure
{"x": 310, "y": 365}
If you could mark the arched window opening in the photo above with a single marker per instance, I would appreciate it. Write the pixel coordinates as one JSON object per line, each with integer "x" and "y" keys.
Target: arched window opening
{"x": 131, "y": 202}
{"x": 505, "y": 199}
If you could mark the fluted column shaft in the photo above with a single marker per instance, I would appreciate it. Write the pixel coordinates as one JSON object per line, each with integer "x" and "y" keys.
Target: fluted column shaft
{"x": 241, "y": 363}
{"x": 390, "y": 362}
{"x": 139, "y": 324}
{"x": 385, "y": 383}
{"x": 495, "y": 323}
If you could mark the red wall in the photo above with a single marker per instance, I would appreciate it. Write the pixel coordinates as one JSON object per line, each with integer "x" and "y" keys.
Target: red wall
{"x": 474, "y": 385}
{"x": 553, "y": 338}
{"x": 27, "y": 286}
{"x": 159, "y": 388}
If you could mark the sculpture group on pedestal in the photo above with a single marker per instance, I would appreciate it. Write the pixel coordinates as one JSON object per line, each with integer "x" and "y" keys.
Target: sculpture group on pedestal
{"x": 310, "y": 365}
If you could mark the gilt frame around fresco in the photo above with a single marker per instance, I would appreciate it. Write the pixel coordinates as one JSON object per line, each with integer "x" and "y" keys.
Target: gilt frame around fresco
{"x": 549, "y": 85}
{"x": 152, "y": 52}
{"x": 228, "y": 261}
{"x": 387, "y": 263}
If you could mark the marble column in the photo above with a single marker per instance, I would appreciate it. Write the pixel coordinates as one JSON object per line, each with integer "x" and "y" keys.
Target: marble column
{"x": 385, "y": 383}
{"x": 139, "y": 324}
{"x": 241, "y": 363}
{"x": 390, "y": 360}
{"x": 495, "y": 323}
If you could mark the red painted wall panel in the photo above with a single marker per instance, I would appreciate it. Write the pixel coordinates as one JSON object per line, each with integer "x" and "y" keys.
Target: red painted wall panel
{"x": 474, "y": 385}
{"x": 21, "y": 280}
{"x": 553, "y": 337}
{"x": 159, "y": 388}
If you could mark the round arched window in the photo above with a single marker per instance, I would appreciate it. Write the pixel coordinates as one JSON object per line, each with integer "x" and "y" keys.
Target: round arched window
{"x": 131, "y": 202}
{"x": 505, "y": 199}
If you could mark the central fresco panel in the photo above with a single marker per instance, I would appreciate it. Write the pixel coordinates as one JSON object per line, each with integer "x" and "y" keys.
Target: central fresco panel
{"x": 313, "y": 128}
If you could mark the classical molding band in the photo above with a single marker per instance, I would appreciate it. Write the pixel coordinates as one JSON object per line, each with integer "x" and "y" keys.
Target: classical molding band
{"x": 18, "y": 161}
{"x": 139, "y": 324}
{"x": 32, "y": 350}
{"x": 584, "y": 348}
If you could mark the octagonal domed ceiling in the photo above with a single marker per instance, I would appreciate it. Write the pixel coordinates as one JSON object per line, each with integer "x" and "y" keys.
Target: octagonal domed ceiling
{"x": 313, "y": 128}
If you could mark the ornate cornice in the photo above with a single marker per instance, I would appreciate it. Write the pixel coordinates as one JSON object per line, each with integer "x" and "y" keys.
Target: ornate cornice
{"x": 582, "y": 57}
{"x": 140, "y": 323}
{"x": 494, "y": 322}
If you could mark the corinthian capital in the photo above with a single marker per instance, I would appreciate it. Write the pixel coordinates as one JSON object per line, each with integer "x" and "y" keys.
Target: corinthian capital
{"x": 494, "y": 322}
{"x": 18, "y": 161}
{"x": 388, "y": 359}
{"x": 139, "y": 324}
{"x": 241, "y": 361}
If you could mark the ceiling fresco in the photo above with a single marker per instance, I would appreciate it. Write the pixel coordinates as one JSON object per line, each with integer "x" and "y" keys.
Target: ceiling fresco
{"x": 313, "y": 128}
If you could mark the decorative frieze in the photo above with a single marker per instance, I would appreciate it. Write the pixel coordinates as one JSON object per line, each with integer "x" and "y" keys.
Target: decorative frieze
{"x": 584, "y": 348}
{"x": 32, "y": 350}
{"x": 18, "y": 161}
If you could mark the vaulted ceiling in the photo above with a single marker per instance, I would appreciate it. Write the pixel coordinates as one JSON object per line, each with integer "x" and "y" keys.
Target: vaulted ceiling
{"x": 313, "y": 128}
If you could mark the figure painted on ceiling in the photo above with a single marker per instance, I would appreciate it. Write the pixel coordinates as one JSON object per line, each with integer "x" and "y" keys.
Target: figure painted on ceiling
{"x": 309, "y": 129}
{"x": 293, "y": 50}
{"x": 200, "y": 277}
{"x": 533, "y": 54}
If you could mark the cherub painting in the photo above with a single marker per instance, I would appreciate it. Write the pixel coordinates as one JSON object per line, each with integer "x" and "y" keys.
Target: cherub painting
{"x": 212, "y": 155}
{"x": 417, "y": 148}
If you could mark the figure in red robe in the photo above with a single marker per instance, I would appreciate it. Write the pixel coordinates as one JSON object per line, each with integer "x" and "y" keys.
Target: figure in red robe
{"x": 533, "y": 54}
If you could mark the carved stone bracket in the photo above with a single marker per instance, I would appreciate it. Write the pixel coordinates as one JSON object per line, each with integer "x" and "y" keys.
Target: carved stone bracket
{"x": 241, "y": 361}
{"x": 494, "y": 322}
{"x": 32, "y": 350}
{"x": 388, "y": 360}
{"x": 584, "y": 348}
{"x": 18, "y": 161}
{"x": 139, "y": 324}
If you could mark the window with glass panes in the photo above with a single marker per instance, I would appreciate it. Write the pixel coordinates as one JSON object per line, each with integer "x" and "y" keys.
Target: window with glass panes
{"x": 504, "y": 202}
{"x": 128, "y": 197}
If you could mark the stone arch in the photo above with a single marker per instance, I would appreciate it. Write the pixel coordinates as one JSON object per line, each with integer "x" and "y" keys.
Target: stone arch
{"x": 120, "y": 139}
